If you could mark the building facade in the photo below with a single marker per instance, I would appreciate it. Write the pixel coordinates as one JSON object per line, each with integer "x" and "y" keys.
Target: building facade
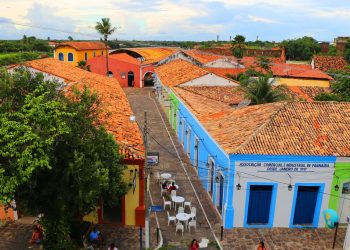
{"x": 74, "y": 52}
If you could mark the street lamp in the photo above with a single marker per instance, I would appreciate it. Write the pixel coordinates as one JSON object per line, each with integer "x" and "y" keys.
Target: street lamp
{"x": 290, "y": 187}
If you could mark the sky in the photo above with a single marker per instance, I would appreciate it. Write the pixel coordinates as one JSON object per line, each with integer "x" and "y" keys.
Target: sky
{"x": 182, "y": 20}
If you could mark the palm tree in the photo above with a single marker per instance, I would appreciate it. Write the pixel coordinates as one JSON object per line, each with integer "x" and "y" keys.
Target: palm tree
{"x": 105, "y": 29}
{"x": 260, "y": 90}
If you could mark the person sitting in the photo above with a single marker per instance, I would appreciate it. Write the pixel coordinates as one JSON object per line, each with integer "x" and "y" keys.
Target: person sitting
{"x": 112, "y": 247}
{"x": 165, "y": 185}
{"x": 95, "y": 237}
{"x": 172, "y": 187}
{"x": 37, "y": 236}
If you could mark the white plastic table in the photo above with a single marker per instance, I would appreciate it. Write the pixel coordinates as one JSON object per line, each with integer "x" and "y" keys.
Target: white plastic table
{"x": 183, "y": 217}
{"x": 165, "y": 176}
{"x": 177, "y": 199}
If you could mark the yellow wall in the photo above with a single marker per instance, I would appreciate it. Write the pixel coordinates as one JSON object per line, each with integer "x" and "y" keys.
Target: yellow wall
{"x": 131, "y": 199}
{"x": 77, "y": 55}
{"x": 303, "y": 82}
{"x": 91, "y": 217}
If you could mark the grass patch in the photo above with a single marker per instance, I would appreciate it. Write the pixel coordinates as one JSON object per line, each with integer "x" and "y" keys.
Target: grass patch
{"x": 15, "y": 58}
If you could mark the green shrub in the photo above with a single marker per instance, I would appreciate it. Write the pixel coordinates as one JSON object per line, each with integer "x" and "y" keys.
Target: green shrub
{"x": 15, "y": 58}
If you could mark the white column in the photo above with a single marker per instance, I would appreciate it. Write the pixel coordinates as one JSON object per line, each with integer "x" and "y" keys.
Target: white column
{"x": 347, "y": 238}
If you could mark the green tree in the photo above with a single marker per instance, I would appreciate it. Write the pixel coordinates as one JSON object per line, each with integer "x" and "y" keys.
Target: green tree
{"x": 347, "y": 52}
{"x": 238, "y": 45}
{"x": 260, "y": 90}
{"x": 302, "y": 48}
{"x": 83, "y": 65}
{"x": 70, "y": 38}
{"x": 328, "y": 97}
{"x": 105, "y": 29}
{"x": 54, "y": 159}
{"x": 264, "y": 63}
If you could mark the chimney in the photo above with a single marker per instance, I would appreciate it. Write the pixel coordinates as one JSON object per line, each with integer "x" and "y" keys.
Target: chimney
{"x": 324, "y": 47}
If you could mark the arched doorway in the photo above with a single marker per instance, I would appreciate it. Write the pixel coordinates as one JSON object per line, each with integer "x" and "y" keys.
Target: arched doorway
{"x": 110, "y": 74}
{"x": 148, "y": 79}
{"x": 131, "y": 79}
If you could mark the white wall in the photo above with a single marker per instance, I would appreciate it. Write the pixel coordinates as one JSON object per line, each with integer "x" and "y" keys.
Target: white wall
{"x": 47, "y": 77}
{"x": 224, "y": 63}
{"x": 284, "y": 197}
{"x": 210, "y": 80}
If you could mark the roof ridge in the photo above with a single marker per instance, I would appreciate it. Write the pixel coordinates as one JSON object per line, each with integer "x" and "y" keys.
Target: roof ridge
{"x": 261, "y": 127}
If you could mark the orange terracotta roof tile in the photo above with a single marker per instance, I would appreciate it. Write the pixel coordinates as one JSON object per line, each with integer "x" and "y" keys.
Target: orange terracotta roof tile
{"x": 178, "y": 71}
{"x": 202, "y": 57}
{"x": 202, "y": 107}
{"x": 293, "y": 128}
{"x": 302, "y": 128}
{"x": 228, "y": 94}
{"x": 125, "y": 58}
{"x": 83, "y": 45}
{"x": 226, "y": 71}
{"x": 233, "y": 129}
{"x": 150, "y": 55}
{"x": 115, "y": 107}
{"x": 326, "y": 63}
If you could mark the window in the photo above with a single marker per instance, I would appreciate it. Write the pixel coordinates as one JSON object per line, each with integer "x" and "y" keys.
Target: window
{"x": 101, "y": 52}
{"x": 94, "y": 53}
{"x": 70, "y": 57}
{"x": 86, "y": 56}
{"x": 60, "y": 56}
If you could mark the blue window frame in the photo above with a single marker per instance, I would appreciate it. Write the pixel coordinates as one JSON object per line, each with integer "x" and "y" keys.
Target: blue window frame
{"x": 260, "y": 204}
{"x": 307, "y": 202}
{"x": 70, "y": 57}
{"x": 86, "y": 56}
{"x": 61, "y": 56}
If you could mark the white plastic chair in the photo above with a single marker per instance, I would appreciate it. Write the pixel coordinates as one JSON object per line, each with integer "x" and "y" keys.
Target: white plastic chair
{"x": 192, "y": 223}
{"x": 173, "y": 193}
{"x": 193, "y": 213}
{"x": 188, "y": 204}
{"x": 179, "y": 226}
{"x": 204, "y": 243}
{"x": 166, "y": 203}
{"x": 171, "y": 218}
{"x": 163, "y": 191}
{"x": 181, "y": 210}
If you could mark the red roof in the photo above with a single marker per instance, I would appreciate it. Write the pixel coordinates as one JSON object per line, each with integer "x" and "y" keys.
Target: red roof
{"x": 226, "y": 71}
{"x": 84, "y": 45}
{"x": 125, "y": 58}
{"x": 326, "y": 63}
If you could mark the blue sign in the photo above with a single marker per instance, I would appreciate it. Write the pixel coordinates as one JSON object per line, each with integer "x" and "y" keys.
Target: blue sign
{"x": 156, "y": 208}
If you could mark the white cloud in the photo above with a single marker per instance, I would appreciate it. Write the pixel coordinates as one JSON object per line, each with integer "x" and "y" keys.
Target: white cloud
{"x": 330, "y": 13}
{"x": 261, "y": 19}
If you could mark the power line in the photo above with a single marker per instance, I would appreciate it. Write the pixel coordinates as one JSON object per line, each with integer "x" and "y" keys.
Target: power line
{"x": 48, "y": 28}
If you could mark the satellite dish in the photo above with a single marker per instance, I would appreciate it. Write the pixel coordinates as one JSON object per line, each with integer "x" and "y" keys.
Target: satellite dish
{"x": 244, "y": 103}
{"x": 331, "y": 217}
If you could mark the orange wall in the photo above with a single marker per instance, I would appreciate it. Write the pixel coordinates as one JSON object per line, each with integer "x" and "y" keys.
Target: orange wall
{"x": 119, "y": 68}
{"x": 303, "y": 82}
{"x": 6, "y": 215}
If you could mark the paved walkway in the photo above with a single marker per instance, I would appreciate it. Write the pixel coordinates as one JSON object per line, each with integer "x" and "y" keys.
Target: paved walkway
{"x": 159, "y": 140}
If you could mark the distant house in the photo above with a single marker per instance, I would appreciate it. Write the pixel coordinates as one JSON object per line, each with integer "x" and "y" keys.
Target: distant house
{"x": 132, "y": 67}
{"x": 74, "y": 52}
{"x": 326, "y": 63}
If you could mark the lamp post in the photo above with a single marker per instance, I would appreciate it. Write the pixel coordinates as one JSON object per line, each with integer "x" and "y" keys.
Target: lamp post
{"x": 147, "y": 224}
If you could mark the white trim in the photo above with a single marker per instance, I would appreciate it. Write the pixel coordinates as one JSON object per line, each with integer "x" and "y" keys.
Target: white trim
{"x": 188, "y": 138}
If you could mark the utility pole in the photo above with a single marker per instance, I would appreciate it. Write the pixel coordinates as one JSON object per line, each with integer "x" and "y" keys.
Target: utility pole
{"x": 147, "y": 224}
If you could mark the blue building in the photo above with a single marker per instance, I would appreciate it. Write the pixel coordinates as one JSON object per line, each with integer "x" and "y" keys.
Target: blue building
{"x": 266, "y": 165}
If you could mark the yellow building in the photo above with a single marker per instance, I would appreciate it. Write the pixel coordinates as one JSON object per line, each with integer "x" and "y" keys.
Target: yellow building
{"x": 74, "y": 52}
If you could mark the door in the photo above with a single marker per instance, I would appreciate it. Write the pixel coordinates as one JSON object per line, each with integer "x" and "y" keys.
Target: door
{"x": 183, "y": 125}
{"x": 196, "y": 153}
{"x": 305, "y": 205}
{"x": 189, "y": 142}
{"x": 131, "y": 79}
{"x": 259, "y": 206}
{"x": 344, "y": 203}
{"x": 211, "y": 176}
{"x": 220, "y": 193}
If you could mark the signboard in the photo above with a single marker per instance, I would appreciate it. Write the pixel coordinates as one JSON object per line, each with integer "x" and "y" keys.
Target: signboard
{"x": 152, "y": 158}
{"x": 156, "y": 208}
{"x": 283, "y": 166}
